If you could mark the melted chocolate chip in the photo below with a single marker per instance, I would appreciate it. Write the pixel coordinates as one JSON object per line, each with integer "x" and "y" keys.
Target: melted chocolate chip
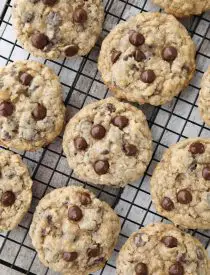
{"x": 39, "y": 113}
{"x": 169, "y": 54}
{"x": 167, "y": 204}
{"x": 120, "y": 121}
{"x": 98, "y": 131}
{"x": 148, "y": 76}
{"x": 101, "y": 167}
{"x": 80, "y": 16}
{"x": 199, "y": 253}
{"x": 206, "y": 173}
{"x": 6, "y": 108}
{"x": 111, "y": 107}
{"x": 115, "y": 56}
{"x": 139, "y": 55}
{"x": 75, "y": 213}
{"x": 169, "y": 241}
{"x": 197, "y": 148}
{"x": 138, "y": 240}
{"x": 184, "y": 196}
{"x": 49, "y": 2}
{"x": 8, "y": 198}
{"x": 141, "y": 269}
{"x": 71, "y": 50}
{"x": 85, "y": 198}
{"x": 80, "y": 143}
{"x": 130, "y": 149}
{"x": 176, "y": 269}
{"x": 94, "y": 252}
{"x": 25, "y": 79}
{"x": 39, "y": 40}
{"x": 136, "y": 38}
{"x": 70, "y": 256}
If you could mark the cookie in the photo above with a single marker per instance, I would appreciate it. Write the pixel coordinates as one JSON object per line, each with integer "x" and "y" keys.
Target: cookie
{"x": 204, "y": 97}
{"x": 31, "y": 108}
{"x": 148, "y": 59}
{"x": 15, "y": 190}
{"x": 108, "y": 142}
{"x": 162, "y": 249}
{"x": 181, "y": 8}
{"x": 58, "y": 28}
{"x": 180, "y": 184}
{"x": 73, "y": 231}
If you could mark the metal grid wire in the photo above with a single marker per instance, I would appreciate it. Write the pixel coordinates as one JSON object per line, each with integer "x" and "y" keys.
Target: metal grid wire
{"x": 82, "y": 84}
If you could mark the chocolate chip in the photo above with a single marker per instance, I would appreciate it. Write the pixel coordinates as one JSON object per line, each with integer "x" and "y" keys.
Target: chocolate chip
{"x": 80, "y": 143}
{"x": 138, "y": 240}
{"x": 85, "y": 198}
{"x": 39, "y": 40}
{"x": 120, "y": 121}
{"x": 181, "y": 258}
{"x": 49, "y": 2}
{"x": 25, "y": 78}
{"x": 6, "y": 109}
{"x": 70, "y": 256}
{"x": 115, "y": 56}
{"x": 79, "y": 15}
{"x": 8, "y": 198}
{"x": 40, "y": 112}
{"x": 98, "y": 131}
{"x": 199, "y": 253}
{"x": 167, "y": 204}
{"x": 111, "y": 107}
{"x": 136, "y": 38}
{"x": 176, "y": 269}
{"x": 71, "y": 50}
{"x": 138, "y": 55}
{"x": 206, "y": 173}
{"x": 169, "y": 241}
{"x": 141, "y": 269}
{"x": 148, "y": 76}
{"x": 101, "y": 167}
{"x": 75, "y": 213}
{"x": 169, "y": 54}
{"x": 130, "y": 149}
{"x": 94, "y": 252}
{"x": 197, "y": 148}
{"x": 184, "y": 196}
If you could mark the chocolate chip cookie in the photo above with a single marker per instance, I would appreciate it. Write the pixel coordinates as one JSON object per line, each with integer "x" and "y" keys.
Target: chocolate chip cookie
{"x": 180, "y": 184}
{"x": 181, "y": 8}
{"x": 31, "y": 108}
{"x": 15, "y": 190}
{"x": 58, "y": 28}
{"x": 73, "y": 231}
{"x": 108, "y": 142}
{"x": 148, "y": 59}
{"x": 162, "y": 249}
{"x": 204, "y": 97}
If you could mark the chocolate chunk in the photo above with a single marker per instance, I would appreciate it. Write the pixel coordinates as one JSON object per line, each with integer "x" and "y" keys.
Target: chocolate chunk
{"x": 206, "y": 173}
{"x": 111, "y": 107}
{"x": 85, "y": 198}
{"x": 199, "y": 253}
{"x": 8, "y": 198}
{"x": 148, "y": 76}
{"x": 75, "y": 213}
{"x": 139, "y": 55}
{"x": 184, "y": 196}
{"x": 120, "y": 121}
{"x": 49, "y": 2}
{"x": 94, "y": 252}
{"x": 6, "y": 108}
{"x": 167, "y": 204}
{"x": 80, "y": 143}
{"x": 115, "y": 56}
{"x": 169, "y": 54}
{"x": 141, "y": 269}
{"x": 71, "y": 50}
{"x": 39, "y": 40}
{"x": 80, "y": 16}
{"x": 176, "y": 269}
{"x": 136, "y": 38}
{"x": 169, "y": 241}
{"x": 25, "y": 78}
{"x": 138, "y": 240}
{"x": 130, "y": 149}
{"x": 70, "y": 256}
{"x": 98, "y": 131}
{"x": 197, "y": 148}
{"x": 40, "y": 112}
{"x": 101, "y": 167}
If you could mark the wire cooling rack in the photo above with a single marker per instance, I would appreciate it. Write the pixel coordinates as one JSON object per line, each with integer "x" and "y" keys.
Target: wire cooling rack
{"x": 82, "y": 84}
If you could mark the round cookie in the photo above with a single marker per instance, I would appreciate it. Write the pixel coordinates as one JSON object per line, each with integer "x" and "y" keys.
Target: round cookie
{"x": 204, "y": 97}
{"x": 58, "y": 28}
{"x": 108, "y": 142}
{"x": 15, "y": 190}
{"x": 74, "y": 232}
{"x": 31, "y": 108}
{"x": 148, "y": 59}
{"x": 181, "y": 8}
{"x": 180, "y": 184}
{"x": 162, "y": 249}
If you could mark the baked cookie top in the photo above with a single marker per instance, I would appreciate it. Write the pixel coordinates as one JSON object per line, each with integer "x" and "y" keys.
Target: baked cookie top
{"x": 108, "y": 142}
{"x": 148, "y": 59}
{"x": 180, "y": 184}
{"x": 31, "y": 108}
{"x": 58, "y": 28}
{"x": 162, "y": 249}
{"x": 15, "y": 190}
{"x": 73, "y": 231}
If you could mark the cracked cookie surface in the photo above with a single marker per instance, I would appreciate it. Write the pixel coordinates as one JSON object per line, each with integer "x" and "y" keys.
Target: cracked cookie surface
{"x": 148, "y": 59}
{"x": 31, "y": 108}
{"x": 180, "y": 185}
{"x": 15, "y": 190}
{"x": 58, "y": 28}
{"x": 73, "y": 231}
{"x": 108, "y": 142}
{"x": 162, "y": 249}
